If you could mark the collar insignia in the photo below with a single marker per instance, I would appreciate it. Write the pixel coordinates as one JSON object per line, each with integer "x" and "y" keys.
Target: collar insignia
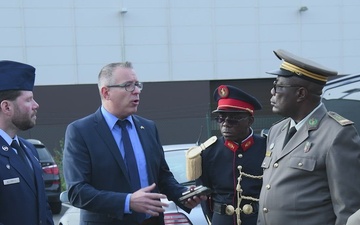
{"x": 246, "y": 144}
{"x": 313, "y": 122}
{"x": 233, "y": 146}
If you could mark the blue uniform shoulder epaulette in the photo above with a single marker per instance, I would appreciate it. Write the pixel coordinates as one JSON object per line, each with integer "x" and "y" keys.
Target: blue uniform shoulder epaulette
{"x": 340, "y": 119}
{"x": 193, "y": 158}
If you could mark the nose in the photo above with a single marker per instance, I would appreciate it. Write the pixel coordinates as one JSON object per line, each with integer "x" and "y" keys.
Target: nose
{"x": 36, "y": 105}
{"x": 272, "y": 91}
{"x": 136, "y": 90}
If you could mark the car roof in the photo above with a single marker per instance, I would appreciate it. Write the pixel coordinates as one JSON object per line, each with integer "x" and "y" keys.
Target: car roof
{"x": 35, "y": 142}
{"x": 344, "y": 79}
{"x": 344, "y": 87}
{"x": 175, "y": 147}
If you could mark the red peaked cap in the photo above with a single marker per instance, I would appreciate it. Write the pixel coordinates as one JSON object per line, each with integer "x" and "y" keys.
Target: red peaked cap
{"x": 233, "y": 99}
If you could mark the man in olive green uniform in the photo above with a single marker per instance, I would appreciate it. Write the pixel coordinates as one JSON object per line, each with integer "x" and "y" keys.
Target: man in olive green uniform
{"x": 313, "y": 178}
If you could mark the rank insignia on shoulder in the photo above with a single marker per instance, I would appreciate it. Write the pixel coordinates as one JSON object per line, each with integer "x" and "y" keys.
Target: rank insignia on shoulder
{"x": 341, "y": 120}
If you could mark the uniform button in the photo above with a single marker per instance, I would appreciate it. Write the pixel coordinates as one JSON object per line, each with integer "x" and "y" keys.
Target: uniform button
{"x": 240, "y": 155}
{"x": 265, "y": 210}
{"x": 300, "y": 164}
{"x": 276, "y": 165}
{"x": 268, "y": 186}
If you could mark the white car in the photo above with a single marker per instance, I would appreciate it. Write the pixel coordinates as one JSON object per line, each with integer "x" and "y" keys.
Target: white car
{"x": 175, "y": 157}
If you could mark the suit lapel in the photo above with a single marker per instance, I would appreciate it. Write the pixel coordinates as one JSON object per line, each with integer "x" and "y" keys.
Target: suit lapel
{"x": 299, "y": 137}
{"x": 17, "y": 164}
{"x": 303, "y": 133}
{"x": 102, "y": 129}
{"x": 35, "y": 176}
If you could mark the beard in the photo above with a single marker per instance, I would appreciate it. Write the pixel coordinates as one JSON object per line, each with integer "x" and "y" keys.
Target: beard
{"x": 23, "y": 121}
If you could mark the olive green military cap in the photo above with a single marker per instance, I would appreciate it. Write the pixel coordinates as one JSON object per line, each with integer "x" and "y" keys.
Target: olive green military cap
{"x": 294, "y": 65}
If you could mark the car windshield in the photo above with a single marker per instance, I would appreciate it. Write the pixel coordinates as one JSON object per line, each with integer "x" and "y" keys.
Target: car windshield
{"x": 44, "y": 155}
{"x": 343, "y": 97}
{"x": 177, "y": 164}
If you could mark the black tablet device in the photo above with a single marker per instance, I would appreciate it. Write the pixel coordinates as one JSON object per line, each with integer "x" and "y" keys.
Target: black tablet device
{"x": 197, "y": 191}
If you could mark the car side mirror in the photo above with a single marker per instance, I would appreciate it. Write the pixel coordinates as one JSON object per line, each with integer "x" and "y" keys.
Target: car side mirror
{"x": 64, "y": 198}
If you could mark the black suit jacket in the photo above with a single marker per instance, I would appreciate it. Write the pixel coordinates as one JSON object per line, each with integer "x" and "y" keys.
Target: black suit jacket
{"x": 95, "y": 171}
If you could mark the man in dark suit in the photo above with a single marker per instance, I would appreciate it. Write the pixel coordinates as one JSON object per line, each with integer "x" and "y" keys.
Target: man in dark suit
{"x": 312, "y": 177}
{"x": 22, "y": 192}
{"x": 103, "y": 177}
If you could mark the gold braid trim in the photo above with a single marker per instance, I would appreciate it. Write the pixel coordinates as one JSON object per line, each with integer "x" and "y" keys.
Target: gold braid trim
{"x": 295, "y": 69}
{"x": 250, "y": 198}
{"x": 239, "y": 191}
{"x": 251, "y": 176}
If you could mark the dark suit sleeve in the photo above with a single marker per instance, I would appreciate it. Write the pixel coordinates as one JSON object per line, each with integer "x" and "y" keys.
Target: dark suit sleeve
{"x": 88, "y": 186}
{"x": 49, "y": 216}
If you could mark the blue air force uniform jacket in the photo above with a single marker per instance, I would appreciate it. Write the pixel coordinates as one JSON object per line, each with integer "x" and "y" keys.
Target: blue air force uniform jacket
{"x": 22, "y": 197}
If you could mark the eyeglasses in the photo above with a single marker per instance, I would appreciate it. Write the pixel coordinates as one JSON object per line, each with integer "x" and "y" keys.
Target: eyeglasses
{"x": 129, "y": 86}
{"x": 275, "y": 86}
{"x": 230, "y": 121}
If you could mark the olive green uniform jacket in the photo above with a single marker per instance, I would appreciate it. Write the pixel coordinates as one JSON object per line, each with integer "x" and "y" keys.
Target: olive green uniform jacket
{"x": 314, "y": 179}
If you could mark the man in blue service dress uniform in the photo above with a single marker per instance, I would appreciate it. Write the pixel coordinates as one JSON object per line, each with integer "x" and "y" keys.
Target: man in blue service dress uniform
{"x": 231, "y": 166}
{"x": 313, "y": 178}
{"x": 22, "y": 193}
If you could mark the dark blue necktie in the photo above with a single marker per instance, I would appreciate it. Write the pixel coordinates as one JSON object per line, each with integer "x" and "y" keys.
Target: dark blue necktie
{"x": 131, "y": 164}
{"x": 130, "y": 159}
{"x": 21, "y": 153}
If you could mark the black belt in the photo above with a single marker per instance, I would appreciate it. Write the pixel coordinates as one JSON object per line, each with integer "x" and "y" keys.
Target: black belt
{"x": 219, "y": 208}
{"x": 225, "y": 209}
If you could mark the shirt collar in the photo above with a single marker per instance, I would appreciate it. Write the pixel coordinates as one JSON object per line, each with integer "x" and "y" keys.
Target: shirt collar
{"x": 303, "y": 121}
{"x": 7, "y": 138}
{"x": 111, "y": 119}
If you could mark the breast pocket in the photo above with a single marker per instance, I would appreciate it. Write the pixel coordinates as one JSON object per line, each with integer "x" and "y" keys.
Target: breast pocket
{"x": 302, "y": 163}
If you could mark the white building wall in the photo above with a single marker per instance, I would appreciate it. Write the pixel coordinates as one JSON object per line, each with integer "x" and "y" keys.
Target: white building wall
{"x": 69, "y": 41}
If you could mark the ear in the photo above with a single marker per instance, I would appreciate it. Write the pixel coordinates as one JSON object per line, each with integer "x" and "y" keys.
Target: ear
{"x": 251, "y": 120}
{"x": 302, "y": 94}
{"x": 5, "y": 106}
{"x": 105, "y": 92}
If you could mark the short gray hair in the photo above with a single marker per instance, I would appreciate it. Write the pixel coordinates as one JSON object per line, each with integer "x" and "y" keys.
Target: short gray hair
{"x": 105, "y": 75}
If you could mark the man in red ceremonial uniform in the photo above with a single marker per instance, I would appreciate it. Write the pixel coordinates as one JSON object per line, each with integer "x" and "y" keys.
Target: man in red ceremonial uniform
{"x": 231, "y": 166}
